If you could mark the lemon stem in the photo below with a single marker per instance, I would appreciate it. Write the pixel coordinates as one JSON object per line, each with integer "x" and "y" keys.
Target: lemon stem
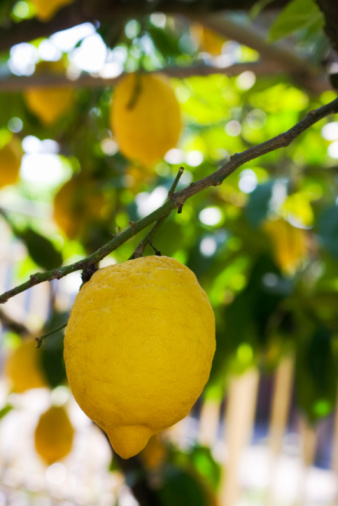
{"x": 39, "y": 340}
{"x": 148, "y": 239}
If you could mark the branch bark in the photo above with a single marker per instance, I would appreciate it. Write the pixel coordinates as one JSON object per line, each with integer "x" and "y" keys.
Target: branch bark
{"x": 178, "y": 199}
{"x": 107, "y": 11}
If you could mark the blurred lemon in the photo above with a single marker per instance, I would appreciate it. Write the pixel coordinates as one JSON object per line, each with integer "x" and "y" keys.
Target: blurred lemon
{"x": 289, "y": 244}
{"x": 145, "y": 117}
{"x": 22, "y": 367}
{"x": 45, "y": 9}
{"x": 50, "y": 103}
{"x": 298, "y": 207}
{"x": 54, "y": 435}
{"x": 209, "y": 40}
{"x": 78, "y": 202}
{"x": 154, "y": 454}
{"x": 10, "y": 162}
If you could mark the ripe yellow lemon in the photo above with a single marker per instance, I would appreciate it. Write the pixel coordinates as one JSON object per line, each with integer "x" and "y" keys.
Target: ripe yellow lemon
{"x": 76, "y": 203}
{"x": 138, "y": 348}
{"x": 22, "y": 367}
{"x": 10, "y": 162}
{"x": 45, "y": 9}
{"x": 289, "y": 244}
{"x": 209, "y": 40}
{"x": 50, "y": 103}
{"x": 145, "y": 117}
{"x": 54, "y": 435}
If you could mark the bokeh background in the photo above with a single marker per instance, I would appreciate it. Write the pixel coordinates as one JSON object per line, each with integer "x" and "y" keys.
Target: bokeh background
{"x": 263, "y": 245}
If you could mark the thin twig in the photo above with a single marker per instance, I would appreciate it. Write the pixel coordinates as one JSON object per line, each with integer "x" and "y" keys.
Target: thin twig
{"x": 39, "y": 340}
{"x": 177, "y": 199}
{"x": 139, "y": 250}
{"x": 13, "y": 325}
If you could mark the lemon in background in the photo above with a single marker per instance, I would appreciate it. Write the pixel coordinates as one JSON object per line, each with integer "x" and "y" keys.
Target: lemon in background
{"x": 54, "y": 435}
{"x": 22, "y": 367}
{"x": 10, "y": 162}
{"x": 45, "y": 9}
{"x": 145, "y": 117}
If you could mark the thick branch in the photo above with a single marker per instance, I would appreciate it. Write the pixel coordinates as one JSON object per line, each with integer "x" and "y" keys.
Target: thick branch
{"x": 108, "y": 11}
{"x": 177, "y": 199}
{"x": 305, "y": 73}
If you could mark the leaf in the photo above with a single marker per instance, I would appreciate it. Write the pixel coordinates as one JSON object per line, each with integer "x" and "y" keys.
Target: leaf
{"x": 328, "y": 230}
{"x": 316, "y": 375}
{"x": 182, "y": 487}
{"x": 52, "y": 351}
{"x": 5, "y": 410}
{"x": 40, "y": 249}
{"x": 297, "y": 15}
{"x": 259, "y": 203}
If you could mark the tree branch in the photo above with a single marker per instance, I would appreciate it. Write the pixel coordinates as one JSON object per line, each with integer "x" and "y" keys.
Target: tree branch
{"x": 177, "y": 199}
{"x": 13, "y": 83}
{"x": 104, "y": 11}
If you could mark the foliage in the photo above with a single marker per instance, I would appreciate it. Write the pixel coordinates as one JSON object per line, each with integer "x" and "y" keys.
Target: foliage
{"x": 263, "y": 310}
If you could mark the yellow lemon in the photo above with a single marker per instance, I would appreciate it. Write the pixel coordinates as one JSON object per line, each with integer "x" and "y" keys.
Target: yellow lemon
{"x": 138, "y": 348}
{"x": 76, "y": 203}
{"x": 53, "y": 435}
{"x": 289, "y": 244}
{"x": 45, "y": 9}
{"x": 145, "y": 117}
{"x": 22, "y": 367}
{"x": 50, "y": 103}
{"x": 10, "y": 162}
{"x": 209, "y": 40}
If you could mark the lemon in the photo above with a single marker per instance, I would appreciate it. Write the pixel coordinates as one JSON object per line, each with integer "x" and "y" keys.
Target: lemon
{"x": 145, "y": 117}
{"x": 10, "y": 162}
{"x": 289, "y": 244}
{"x": 49, "y": 104}
{"x": 78, "y": 202}
{"x": 209, "y": 40}
{"x": 22, "y": 367}
{"x": 54, "y": 435}
{"x": 45, "y": 9}
{"x": 138, "y": 348}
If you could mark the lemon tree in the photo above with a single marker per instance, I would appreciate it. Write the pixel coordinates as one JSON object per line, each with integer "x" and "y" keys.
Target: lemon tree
{"x": 10, "y": 162}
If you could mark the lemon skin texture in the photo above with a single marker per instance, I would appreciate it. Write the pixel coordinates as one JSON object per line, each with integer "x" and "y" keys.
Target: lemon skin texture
{"x": 138, "y": 348}
{"x": 22, "y": 367}
{"x": 54, "y": 434}
{"x": 45, "y": 9}
{"x": 145, "y": 117}
{"x": 10, "y": 162}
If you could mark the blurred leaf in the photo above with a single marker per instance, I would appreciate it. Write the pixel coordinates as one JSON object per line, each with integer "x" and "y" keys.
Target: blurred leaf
{"x": 52, "y": 351}
{"x": 164, "y": 41}
{"x": 258, "y": 205}
{"x": 328, "y": 230}
{"x": 41, "y": 250}
{"x": 297, "y": 15}
{"x": 182, "y": 487}
{"x": 316, "y": 375}
{"x": 5, "y": 410}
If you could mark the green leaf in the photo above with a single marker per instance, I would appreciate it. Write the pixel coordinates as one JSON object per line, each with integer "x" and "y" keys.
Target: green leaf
{"x": 52, "y": 351}
{"x": 328, "y": 230}
{"x": 40, "y": 249}
{"x": 316, "y": 375}
{"x": 259, "y": 202}
{"x": 181, "y": 487}
{"x": 5, "y": 410}
{"x": 297, "y": 15}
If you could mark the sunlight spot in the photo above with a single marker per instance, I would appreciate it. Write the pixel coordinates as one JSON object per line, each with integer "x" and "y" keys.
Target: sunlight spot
{"x": 330, "y": 131}
{"x": 246, "y": 80}
{"x": 210, "y": 216}
{"x": 67, "y": 39}
{"x": 56, "y": 473}
{"x": 91, "y": 55}
{"x": 333, "y": 150}
{"x": 194, "y": 158}
{"x": 174, "y": 156}
{"x": 42, "y": 169}
{"x": 149, "y": 202}
{"x": 233, "y": 128}
{"x": 23, "y": 58}
{"x": 208, "y": 246}
{"x": 248, "y": 181}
